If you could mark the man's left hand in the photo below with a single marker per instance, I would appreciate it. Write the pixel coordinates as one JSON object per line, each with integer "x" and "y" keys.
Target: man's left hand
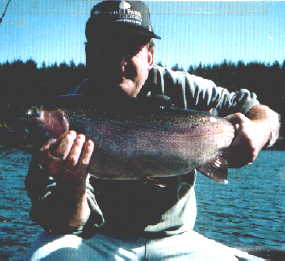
{"x": 254, "y": 131}
{"x": 248, "y": 142}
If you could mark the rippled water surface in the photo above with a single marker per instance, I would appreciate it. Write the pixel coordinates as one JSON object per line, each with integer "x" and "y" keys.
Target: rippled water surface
{"x": 249, "y": 211}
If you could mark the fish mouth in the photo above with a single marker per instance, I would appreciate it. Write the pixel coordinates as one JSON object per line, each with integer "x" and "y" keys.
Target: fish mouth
{"x": 18, "y": 134}
{"x": 33, "y": 129}
{"x": 14, "y": 136}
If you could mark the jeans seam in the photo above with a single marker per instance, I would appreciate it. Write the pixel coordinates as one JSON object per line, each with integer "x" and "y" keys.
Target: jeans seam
{"x": 145, "y": 250}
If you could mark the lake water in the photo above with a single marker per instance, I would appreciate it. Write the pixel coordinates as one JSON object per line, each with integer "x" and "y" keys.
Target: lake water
{"x": 248, "y": 212}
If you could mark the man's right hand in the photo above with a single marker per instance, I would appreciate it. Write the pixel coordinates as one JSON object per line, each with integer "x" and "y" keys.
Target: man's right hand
{"x": 68, "y": 158}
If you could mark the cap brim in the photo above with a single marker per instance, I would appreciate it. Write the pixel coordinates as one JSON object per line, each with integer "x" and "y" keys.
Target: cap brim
{"x": 131, "y": 29}
{"x": 137, "y": 30}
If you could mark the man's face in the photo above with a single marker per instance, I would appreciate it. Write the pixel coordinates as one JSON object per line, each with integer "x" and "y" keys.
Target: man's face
{"x": 120, "y": 63}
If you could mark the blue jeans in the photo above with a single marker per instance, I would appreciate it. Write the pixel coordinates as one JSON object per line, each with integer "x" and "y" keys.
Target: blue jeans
{"x": 186, "y": 246}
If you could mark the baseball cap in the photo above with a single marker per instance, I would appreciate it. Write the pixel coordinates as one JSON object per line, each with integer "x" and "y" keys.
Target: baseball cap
{"x": 119, "y": 16}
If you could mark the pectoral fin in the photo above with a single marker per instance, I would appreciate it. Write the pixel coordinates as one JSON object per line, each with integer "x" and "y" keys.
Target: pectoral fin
{"x": 216, "y": 169}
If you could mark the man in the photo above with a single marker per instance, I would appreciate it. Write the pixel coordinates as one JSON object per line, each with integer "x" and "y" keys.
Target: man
{"x": 91, "y": 219}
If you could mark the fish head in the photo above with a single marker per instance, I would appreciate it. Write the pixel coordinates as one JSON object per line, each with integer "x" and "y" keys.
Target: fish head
{"x": 28, "y": 127}
{"x": 29, "y": 123}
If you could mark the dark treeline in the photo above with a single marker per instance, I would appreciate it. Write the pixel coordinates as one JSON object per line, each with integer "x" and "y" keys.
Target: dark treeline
{"x": 267, "y": 80}
{"x": 28, "y": 78}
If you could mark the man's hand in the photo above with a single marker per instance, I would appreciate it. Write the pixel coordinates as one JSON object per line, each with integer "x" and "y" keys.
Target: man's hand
{"x": 254, "y": 131}
{"x": 248, "y": 142}
{"x": 67, "y": 160}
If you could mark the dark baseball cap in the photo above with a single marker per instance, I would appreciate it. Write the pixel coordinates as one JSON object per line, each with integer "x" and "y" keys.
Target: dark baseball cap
{"x": 119, "y": 16}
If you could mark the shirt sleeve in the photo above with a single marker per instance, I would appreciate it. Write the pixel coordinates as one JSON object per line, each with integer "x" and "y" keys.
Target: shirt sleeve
{"x": 42, "y": 190}
{"x": 194, "y": 92}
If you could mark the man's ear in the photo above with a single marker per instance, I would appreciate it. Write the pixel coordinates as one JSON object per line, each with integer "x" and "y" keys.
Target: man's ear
{"x": 150, "y": 57}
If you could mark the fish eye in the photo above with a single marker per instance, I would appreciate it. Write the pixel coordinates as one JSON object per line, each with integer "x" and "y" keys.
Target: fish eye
{"x": 34, "y": 112}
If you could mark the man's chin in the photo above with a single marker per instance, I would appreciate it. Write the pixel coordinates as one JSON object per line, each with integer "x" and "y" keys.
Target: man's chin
{"x": 123, "y": 88}
{"x": 128, "y": 88}
{"x": 117, "y": 92}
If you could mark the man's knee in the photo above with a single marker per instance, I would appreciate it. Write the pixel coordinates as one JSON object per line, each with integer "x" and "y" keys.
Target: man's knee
{"x": 198, "y": 256}
{"x": 55, "y": 247}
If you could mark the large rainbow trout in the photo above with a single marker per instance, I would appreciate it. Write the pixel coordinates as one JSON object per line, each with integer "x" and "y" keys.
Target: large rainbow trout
{"x": 133, "y": 140}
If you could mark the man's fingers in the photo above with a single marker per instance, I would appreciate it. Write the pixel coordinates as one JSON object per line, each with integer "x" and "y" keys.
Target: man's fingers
{"x": 76, "y": 165}
{"x": 238, "y": 157}
{"x": 87, "y": 153}
{"x": 75, "y": 152}
{"x": 65, "y": 145}
{"x": 48, "y": 160}
{"x": 53, "y": 154}
{"x": 236, "y": 118}
{"x": 70, "y": 158}
{"x": 47, "y": 146}
{"x": 83, "y": 162}
{"x": 246, "y": 144}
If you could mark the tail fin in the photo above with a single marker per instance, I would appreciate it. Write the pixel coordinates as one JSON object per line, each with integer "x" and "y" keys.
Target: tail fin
{"x": 216, "y": 169}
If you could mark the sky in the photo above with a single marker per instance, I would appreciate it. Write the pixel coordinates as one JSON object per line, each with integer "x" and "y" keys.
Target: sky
{"x": 192, "y": 32}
